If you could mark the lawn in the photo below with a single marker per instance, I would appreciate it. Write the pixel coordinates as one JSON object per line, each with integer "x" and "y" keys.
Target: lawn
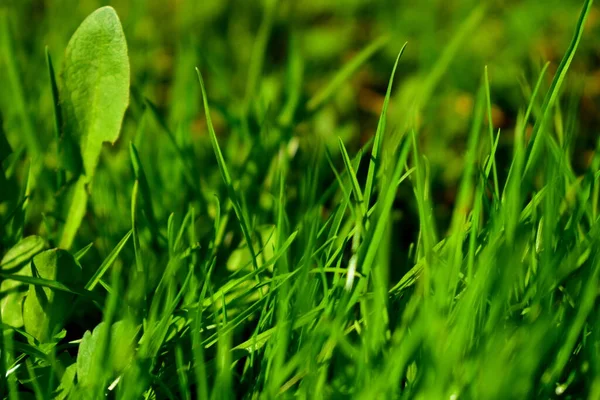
{"x": 315, "y": 199}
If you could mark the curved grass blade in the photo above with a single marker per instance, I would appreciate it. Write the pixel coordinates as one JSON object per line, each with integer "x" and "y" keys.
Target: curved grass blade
{"x": 95, "y": 279}
{"x": 41, "y": 282}
{"x": 237, "y": 207}
{"x": 375, "y": 162}
{"x": 537, "y": 136}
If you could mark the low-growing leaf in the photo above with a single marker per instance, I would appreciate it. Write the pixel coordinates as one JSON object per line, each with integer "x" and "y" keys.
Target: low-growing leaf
{"x": 94, "y": 96}
{"x": 45, "y": 309}
{"x": 66, "y": 383}
{"x": 122, "y": 338}
{"x": 13, "y": 292}
{"x": 86, "y": 352}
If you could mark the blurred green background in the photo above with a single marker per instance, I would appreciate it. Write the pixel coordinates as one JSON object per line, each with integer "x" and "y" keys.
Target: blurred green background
{"x": 268, "y": 57}
{"x": 266, "y": 65}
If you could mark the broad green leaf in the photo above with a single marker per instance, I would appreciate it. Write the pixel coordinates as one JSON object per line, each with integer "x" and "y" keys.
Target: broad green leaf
{"x": 66, "y": 383}
{"x": 45, "y": 309}
{"x": 15, "y": 261}
{"x": 94, "y": 96}
{"x": 86, "y": 352}
{"x": 122, "y": 338}
{"x": 123, "y": 335}
{"x": 95, "y": 91}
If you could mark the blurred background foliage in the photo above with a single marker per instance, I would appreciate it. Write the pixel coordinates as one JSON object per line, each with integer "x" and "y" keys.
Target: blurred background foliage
{"x": 267, "y": 65}
{"x": 268, "y": 58}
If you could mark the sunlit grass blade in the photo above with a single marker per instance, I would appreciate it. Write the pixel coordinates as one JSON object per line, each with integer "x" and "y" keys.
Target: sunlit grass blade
{"x": 375, "y": 160}
{"x": 493, "y": 143}
{"x": 246, "y": 231}
{"x": 108, "y": 261}
{"x": 538, "y": 136}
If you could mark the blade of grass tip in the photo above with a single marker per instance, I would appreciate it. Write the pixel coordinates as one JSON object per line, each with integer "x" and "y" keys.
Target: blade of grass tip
{"x": 81, "y": 253}
{"x": 58, "y": 123}
{"x": 171, "y": 235}
{"x": 375, "y": 162}
{"x": 225, "y": 175}
{"x": 345, "y": 73}
{"x": 491, "y": 131}
{"x": 534, "y": 93}
{"x": 108, "y": 261}
{"x": 520, "y": 135}
{"x": 491, "y": 161}
{"x": 185, "y": 225}
{"x": 537, "y": 136}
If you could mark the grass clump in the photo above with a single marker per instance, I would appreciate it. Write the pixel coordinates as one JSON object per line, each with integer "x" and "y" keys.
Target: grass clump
{"x": 263, "y": 260}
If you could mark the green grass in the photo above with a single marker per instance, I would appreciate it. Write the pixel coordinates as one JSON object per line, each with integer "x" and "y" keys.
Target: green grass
{"x": 278, "y": 225}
